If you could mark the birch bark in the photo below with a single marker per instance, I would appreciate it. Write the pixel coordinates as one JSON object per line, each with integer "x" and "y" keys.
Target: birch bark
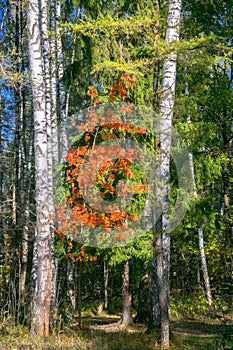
{"x": 166, "y": 104}
{"x": 70, "y": 286}
{"x": 43, "y": 245}
{"x": 204, "y": 267}
{"x": 200, "y": 230}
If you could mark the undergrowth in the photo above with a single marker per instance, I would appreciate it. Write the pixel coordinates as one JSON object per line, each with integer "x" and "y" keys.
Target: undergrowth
{"x": 197, "y": 306}
{"x": 17, "y": 338}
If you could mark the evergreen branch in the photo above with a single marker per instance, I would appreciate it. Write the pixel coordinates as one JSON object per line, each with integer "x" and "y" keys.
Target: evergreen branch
{"x": 8, "y": 72}
{"x": 111, "y": 26}
{"x": 127, "y": 67}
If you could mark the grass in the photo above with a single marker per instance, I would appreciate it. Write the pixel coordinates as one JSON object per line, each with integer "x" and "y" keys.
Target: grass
{"x": 100, "y": 334}
{"x": 194, "y": 342}
{"x": 18, "y": 339}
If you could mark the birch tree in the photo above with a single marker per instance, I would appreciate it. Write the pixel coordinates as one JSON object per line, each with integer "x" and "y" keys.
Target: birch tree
{"x": 42, "y": 258}
{"x": 166, "y": 105}
{"x": 200, "y": 230}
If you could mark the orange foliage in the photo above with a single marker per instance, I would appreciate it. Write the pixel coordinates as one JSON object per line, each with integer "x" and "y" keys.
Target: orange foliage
{"x": 80, "y": 212}
{"x": 121, "y": 86}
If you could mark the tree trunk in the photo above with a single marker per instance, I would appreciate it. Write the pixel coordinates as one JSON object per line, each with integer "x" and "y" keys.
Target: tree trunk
{"x": 105, "y": 284}
{"x": 155, "y": 281}
{"x": 200, "y": 230}
{"x": 166, "y": 105}
{"x": 204, "y": 267}
{"x": 27, "y": 186}
{"x": 62, "y": 94}
{"x": 79, "y": 301}
{"x": 126, "y": 297}
{"x": 53, "y": 67}
{"x": 70, "y": 286}
{"x": 42, "y": 258}
{"x": 17, "y": 194}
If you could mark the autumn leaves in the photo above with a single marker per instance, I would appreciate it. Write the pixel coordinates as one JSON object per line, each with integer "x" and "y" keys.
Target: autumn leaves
{"x": 115, "y": 177}
{"x": 104, "y": 183}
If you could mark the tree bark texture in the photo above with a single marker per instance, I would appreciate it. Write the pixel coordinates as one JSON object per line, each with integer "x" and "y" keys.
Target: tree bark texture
{"x": 105, "y": 284}
{"x": 44, "y": 222}
{"x": 204, "y": 267}
{"x": 126, "y": 297}
{"x": 166, "y": 105}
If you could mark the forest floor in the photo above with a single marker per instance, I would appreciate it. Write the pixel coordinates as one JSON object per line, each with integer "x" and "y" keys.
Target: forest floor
{"x": 107, "y": 333}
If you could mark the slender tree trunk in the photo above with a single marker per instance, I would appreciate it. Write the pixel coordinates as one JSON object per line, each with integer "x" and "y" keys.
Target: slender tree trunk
{"x": 53, "y": 68}
{"x": 27, "y": 186}
{"x": 70, "y": 285}
{"x": 44, "y": 222}
{"x": 126, "y": 296}
{"x": 26, "y": 147}
{"x": 79, "y": 302}
{"x": 105, "y": 284}
{"x": 204, "y": 267}
{"x": 156, "y": 280}
{"x": 63, "y": 99}
{"x": 50, "y": 69}
{"x": 166, "y": 104}
{"x": 5, "y": 211}
{"x": 200, "y": 230}
{"x": 17, "y": 193}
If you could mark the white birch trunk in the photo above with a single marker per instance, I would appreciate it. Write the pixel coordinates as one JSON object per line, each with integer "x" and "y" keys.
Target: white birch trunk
{"x": 166, "y": 105}
{"x": 200, "y": 230}
{"x": 70, "y": 286}
{"x": 53, "y": 81}
{"x": 204, "y": 267}
{"x": 43, "y": 246}
{"x": 50, "y": 66}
